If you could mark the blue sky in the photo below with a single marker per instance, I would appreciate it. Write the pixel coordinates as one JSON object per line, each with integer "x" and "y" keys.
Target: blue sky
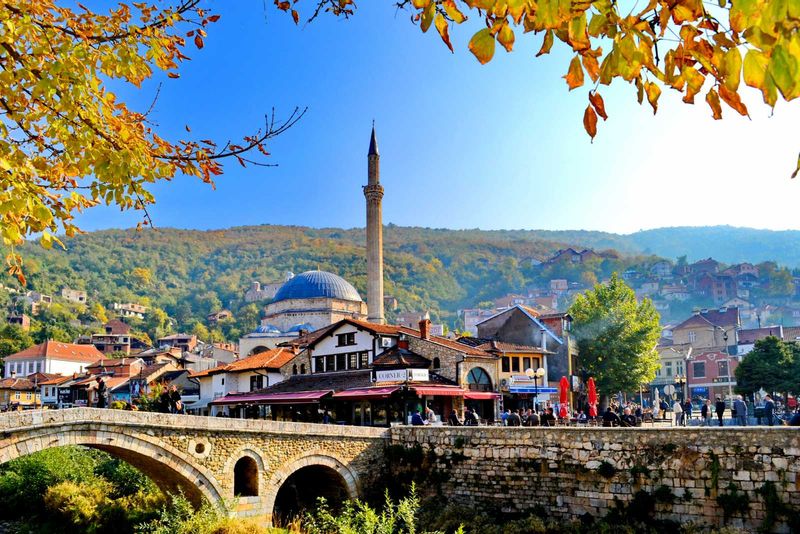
{"x": 462, "y": 145}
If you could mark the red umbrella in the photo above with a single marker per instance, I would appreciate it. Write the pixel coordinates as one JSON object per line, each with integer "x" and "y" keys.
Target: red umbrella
{"x": 592, "y": 397}
{"x": 563, "y": 396}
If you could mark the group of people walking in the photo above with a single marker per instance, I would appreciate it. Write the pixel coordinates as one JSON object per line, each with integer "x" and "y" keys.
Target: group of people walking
{"x": 709, "y": 412}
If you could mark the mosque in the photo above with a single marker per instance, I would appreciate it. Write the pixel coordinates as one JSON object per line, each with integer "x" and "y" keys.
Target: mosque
{"x": 315, "y": 299}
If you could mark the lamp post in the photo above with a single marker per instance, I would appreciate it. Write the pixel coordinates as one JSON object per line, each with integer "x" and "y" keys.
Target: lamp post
{"x": 535, "y": 375}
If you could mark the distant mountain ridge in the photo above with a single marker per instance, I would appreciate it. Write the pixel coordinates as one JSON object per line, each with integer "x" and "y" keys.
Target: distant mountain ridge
{"x": 728, "y": 244}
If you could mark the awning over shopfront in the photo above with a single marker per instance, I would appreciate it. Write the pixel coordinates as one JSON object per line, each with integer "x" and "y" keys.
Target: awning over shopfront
{"x": 438, "y": 391}
{"x": 532, "y": 389}
{"x": 481, "y": 395}
{"x": 297, "y": 397}
{"x": 372, "y": 393}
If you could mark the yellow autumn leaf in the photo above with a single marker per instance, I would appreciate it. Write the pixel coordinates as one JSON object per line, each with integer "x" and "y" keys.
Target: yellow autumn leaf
{"x": 482, "y": 45}
{"x": 574, "y": 75}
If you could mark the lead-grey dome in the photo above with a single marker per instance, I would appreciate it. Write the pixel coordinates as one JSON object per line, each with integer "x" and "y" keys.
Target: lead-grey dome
{"x": 316, "y": 284}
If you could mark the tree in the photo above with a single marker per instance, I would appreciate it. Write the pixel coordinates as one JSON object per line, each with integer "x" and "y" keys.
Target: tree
{"x": 769, "y": 365}
{"x": 673, "y": 44}
{"x": 66, "y": 143}
{"x": 616, "y": 336}
{"x": 13, "y": 339}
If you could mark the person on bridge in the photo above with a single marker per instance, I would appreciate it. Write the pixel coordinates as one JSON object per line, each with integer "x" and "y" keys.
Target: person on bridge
{"x": 514, "y": 419}
{"x": 769, "y": 410}
{"x": 740, "y": 408}
{"x": 610, "y": 418}
{"x": 719, "y": 409}
{"x": 627, "y": 419}
{"x": 416, "y": 419}
{"x": 453, "y": 419}
{"x": 102, "y": 393}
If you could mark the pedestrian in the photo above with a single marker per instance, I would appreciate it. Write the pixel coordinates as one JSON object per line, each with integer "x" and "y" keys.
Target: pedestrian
{"x": 416, "y": 419}
{"x": 687, "y": 412}
{"x": 627, "y": 419}
{"x": 719, "y": 409}
{"x": 326, "y": 418}
{"x": 453, "y": 420}
{"x": 769, "y": 410}
{"x": 705, "y": 413}
{"x": 610, "y": 418}
{"x": 677, "y": 410}
{"x": 795, "y": 420}
{"x": 664, "y": 408}
{"x": 102, "y": 393}
{"x": 514, "y": 419}
{"x": 741, "y": 411}
{"x": 430, "y": 416}
{"x": 532, "y": 418}
{"x": 175, "y": 402}
{"x": 504, "y": 416}
{"x": 547, "y": 418}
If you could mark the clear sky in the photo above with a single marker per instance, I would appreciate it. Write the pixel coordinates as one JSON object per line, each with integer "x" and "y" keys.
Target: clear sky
{"x": 462, "y": 145}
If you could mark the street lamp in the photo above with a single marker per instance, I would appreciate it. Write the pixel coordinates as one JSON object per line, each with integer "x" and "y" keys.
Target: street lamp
{"x": 535, "y": 376}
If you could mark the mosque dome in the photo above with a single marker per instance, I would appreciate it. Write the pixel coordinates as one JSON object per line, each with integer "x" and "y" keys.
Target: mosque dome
{"x": 317, "y": 284}
{"x": 267, "y": 329}
{"x": 298, "y": 327}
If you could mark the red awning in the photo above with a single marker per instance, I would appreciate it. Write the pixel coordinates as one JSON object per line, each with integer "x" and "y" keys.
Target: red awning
{"x": 481, "y": 395}
{"x": 439, "y": 391}
{"x": 366, "y": 393}
{"x": 297, "y": 397}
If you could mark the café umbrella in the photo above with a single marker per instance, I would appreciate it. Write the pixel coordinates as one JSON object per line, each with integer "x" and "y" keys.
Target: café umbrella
{"x": 592, "y": 397}
{"x": 563, "y": 397}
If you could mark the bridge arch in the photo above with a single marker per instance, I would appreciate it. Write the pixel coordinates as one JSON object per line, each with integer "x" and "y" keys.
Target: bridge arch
{"x": 165, "y": 465}
{"x": 330, "y": 475}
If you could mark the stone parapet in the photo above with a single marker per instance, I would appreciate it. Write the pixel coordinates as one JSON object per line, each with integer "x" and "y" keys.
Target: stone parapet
{"x": 576, "y": 471}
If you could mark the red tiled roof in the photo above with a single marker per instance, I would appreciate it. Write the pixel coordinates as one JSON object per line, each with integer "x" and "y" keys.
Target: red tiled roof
{"x": 17, "y": 384}
{"x": 56, "y": 380}
{"x": 60, "y": 351}
{"x": 271, "y": 359}
{"x": 729, "y": 317}
{"x": 751, "y": 335}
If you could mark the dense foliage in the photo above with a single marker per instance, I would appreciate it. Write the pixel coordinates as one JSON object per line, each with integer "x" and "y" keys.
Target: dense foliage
{"x": 188, "y": 274}
{"x": 616, "y": 336}
{"x": 86, "y": 489}
{"x": 773, "y": 365}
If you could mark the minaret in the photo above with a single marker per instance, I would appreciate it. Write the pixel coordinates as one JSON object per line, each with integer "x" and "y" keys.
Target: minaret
{"x": 373, "y": 192}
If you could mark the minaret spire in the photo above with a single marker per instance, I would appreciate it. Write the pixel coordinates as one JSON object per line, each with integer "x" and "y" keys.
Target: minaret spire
{"x": 373, "y": 192}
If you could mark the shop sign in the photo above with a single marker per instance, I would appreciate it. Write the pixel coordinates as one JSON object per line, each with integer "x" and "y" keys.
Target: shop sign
{"x": 402, "y": 375}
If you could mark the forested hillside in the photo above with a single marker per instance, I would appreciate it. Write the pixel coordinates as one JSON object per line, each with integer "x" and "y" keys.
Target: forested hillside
{"x": 190, "y": 273}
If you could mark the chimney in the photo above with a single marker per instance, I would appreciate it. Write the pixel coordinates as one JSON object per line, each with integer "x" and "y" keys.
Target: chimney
{"x": 544, "y": 339}
{"x": 424, "y": 329}
{"x": 402, "y": 343}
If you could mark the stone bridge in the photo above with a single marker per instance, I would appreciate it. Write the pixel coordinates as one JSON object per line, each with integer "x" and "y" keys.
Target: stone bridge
{"x": 265, "y": 467}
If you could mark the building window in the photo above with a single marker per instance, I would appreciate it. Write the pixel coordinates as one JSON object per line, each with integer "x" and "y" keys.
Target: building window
{"x": 679, "y": 368}
{"x": 302, "y": 368}
{"x": 722, "y": 368}
{"x": 341, "y": 362}
{"x": 363, "y": 359}
{"x": 294, "y": 369}
{"x": 344, "y": 340}
{"x": 668, "y": 368}
{"x": 506, "y": 364}
{"x": 437, "y": 363}
{"x": 692, "y": 336}
{"x": 526, "y": 363}
{"x": 515, "y": 365}
{"x": 352, "y": 360}
{"x": 330, "y": 363}
{"x": 699, "y": 369}
{"x": 478, "y": 379}
{"x": 319, "y": 364}
{"x": 223, "y": 380}
{"x": 257, "y": 381}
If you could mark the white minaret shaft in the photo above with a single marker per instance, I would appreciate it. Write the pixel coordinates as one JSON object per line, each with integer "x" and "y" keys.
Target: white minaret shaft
{"x": 373, "y": 192}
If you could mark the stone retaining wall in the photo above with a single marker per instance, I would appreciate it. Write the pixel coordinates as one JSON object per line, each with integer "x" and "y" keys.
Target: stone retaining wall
{"x": 576, "y": 471}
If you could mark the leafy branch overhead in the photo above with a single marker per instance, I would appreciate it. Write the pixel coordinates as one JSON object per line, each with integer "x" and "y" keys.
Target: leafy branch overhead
{"x": 66, "y": 142}
{"x": 697, "y": 48}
